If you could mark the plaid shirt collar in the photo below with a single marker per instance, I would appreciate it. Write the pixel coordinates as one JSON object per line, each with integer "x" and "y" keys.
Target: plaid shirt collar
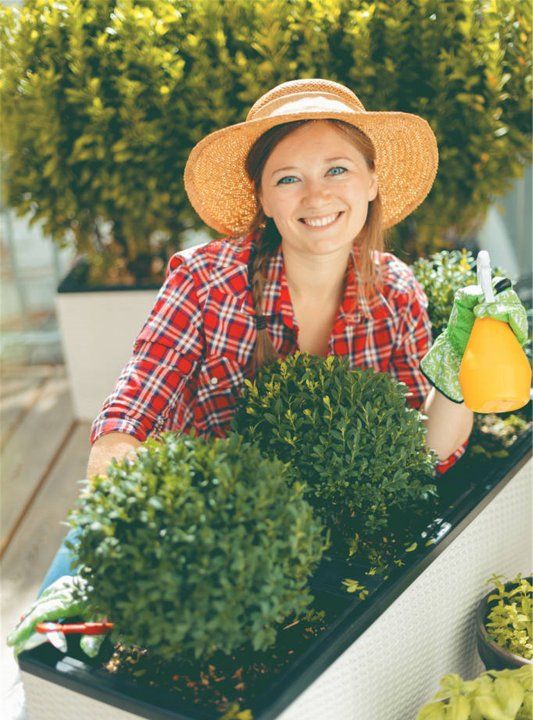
{"x": 231, "y": 275}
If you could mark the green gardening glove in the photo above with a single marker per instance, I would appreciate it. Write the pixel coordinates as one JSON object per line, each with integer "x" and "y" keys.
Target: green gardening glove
{"x": 59, "y": 601}
{"x": 441, "y": 364}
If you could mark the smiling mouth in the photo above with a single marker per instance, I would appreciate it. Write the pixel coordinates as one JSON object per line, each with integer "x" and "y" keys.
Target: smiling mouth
{"x": 320, "y": 223}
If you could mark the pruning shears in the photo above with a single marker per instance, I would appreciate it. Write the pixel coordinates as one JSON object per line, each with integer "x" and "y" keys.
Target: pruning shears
{"x": 55, "y": 632}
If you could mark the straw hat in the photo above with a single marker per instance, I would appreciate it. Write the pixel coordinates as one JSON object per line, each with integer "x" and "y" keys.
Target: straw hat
{"x": 222, "y": 194}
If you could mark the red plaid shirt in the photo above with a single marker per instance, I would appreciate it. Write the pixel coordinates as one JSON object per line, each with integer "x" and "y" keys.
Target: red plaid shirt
{"x": 193, "y": 353}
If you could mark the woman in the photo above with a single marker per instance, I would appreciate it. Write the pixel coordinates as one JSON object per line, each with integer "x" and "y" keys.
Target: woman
{"x": 302, "y": 192}
{"x": 280, "y": 280}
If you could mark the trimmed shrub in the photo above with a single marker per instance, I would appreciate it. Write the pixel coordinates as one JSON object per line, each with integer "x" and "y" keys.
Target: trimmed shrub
{"x": 351, "y": 438}
{"x": 196, "y": 546}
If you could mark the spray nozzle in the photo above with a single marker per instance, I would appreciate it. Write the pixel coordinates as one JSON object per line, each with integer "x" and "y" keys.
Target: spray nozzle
{"x": 484, "y": 275}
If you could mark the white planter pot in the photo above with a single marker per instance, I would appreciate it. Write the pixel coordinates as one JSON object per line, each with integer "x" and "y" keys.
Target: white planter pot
{"x": 97, "y": 333}
{"x": 98, "y": 328}
{"x": 381, "y": 659}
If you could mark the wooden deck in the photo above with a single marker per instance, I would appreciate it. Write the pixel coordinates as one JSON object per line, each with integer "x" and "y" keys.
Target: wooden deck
{"x": 43, "y": 455}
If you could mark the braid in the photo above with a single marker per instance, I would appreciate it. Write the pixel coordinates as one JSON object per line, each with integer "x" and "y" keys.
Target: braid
{"x": 268, "y": 239}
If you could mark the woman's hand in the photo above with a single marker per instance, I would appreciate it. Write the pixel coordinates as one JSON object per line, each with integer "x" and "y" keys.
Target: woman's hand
{"x": 441, "y": 364}
{"x": 61, "y": 600}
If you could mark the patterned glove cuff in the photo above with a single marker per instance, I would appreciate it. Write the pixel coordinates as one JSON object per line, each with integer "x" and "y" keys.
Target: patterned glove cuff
{"x": 441, "y": 367}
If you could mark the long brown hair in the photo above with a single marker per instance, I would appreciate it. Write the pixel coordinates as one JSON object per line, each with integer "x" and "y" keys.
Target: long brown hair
{"x": 267, "y": 237}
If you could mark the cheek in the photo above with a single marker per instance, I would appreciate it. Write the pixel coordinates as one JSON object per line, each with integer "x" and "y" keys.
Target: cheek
{"x": 284, "y": 206}
{"x": 359, "y": 194}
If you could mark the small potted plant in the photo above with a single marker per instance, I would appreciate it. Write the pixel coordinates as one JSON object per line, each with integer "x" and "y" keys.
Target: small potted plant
{"x": 352, "y": 439}
{"x": 504, "y": 624}
{"x": 493, "y": 695}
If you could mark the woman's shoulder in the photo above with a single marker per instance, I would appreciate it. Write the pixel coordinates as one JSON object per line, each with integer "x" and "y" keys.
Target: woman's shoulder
{"x": 398, "y": 278}
{"x": 203, "y": 256}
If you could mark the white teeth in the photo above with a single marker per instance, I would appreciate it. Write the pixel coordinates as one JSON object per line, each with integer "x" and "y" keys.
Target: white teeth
{"x": 327, "y": 220}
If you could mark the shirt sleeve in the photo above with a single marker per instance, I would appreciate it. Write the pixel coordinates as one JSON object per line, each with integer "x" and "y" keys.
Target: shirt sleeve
{"x": 165, "y": 354}
{"x": 413, "y": 342}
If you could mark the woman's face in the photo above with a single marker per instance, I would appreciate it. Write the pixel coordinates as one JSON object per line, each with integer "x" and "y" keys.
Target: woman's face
{"x": 316, "y": 173}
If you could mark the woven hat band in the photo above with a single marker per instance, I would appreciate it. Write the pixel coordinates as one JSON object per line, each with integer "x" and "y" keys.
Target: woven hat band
{"x": 303, "y": 103}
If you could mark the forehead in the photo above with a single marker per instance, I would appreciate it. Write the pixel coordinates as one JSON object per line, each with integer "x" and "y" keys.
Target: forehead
{"x": 314, "y": 140}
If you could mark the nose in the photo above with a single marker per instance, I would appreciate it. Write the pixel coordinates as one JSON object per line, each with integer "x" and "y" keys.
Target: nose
{"x": 317, "y": 193}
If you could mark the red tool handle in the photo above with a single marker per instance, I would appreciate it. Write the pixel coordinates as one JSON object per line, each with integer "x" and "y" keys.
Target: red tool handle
{"x": 88, "y": 628}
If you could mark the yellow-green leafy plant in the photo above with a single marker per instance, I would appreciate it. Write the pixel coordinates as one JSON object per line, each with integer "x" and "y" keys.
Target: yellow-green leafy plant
{"x": 195, "y": 546}
{"x": 353, "y": 441}
{"x": 493, "y": 695}
{"x": 102, "y": 101}
{"x": 509, "y": 621}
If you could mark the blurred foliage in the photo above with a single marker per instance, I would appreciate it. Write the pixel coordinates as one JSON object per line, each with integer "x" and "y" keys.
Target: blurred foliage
{"x": 103, "y": 100}
{"x": 441, "y": 275}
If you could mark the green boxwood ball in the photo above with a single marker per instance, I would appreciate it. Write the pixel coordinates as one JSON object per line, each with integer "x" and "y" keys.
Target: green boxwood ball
{"x": 197, "y": 545}
{"x": 351, "y": 438}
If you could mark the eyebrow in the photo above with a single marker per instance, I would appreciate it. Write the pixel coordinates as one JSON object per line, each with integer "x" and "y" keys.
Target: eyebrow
{"x": 329, "y": 160}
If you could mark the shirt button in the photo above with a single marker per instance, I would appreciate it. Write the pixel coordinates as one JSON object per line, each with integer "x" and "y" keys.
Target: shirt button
{"x": 214, "y": 381}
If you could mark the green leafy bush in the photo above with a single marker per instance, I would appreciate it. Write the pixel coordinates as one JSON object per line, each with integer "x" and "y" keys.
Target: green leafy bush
{"x": 351, "y": 438}
{"x": 102, "y": 102}
{"x": 441, "y": 275}
{"x": 196, "y": 546}
{"x": 493, "y": 695}
{"x": 509, "y": 621}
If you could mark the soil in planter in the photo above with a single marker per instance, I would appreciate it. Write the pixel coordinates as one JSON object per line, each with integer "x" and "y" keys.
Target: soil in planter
{"x": 228, "y": 680}
{"x": 381, "y": 553}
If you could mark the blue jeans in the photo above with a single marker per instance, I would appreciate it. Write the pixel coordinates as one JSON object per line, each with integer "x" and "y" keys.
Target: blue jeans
{"x": 61, "y": 564}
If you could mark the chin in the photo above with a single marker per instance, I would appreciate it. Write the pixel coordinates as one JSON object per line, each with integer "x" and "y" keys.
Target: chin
{"x": 329, "y": 245}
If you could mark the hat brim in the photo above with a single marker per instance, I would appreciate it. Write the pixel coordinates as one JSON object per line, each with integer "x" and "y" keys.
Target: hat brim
{"x": 220, "y": 192}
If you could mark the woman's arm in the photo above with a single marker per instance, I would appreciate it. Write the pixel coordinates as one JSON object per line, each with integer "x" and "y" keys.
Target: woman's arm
{"x": 448, "y": 424}
{"x": 113, "y": 445}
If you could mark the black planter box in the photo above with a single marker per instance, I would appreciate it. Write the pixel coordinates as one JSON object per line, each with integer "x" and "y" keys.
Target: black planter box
{"x": 465, "y": 493}
{"x": 76, "y": 281}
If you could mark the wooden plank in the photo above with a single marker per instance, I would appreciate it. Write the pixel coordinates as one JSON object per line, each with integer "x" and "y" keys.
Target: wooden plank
{"x": 19, "y": 389}
{"x": 38, "y": 537}
{"x": 26, "y": 457}
{"x": 11, "y": 374}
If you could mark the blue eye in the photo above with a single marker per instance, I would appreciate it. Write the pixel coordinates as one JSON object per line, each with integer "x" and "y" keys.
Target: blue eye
{"x": 280, "y": 182}
{"x": 287, "y": 177}
{"x": 339, "y": 167}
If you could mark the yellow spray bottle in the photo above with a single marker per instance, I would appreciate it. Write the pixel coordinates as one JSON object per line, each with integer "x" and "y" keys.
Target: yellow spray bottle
{"x": 495, "y": 375}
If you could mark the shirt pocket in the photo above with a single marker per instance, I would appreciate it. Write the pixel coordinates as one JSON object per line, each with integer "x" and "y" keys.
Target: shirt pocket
{"x": 220, "y": 381}
{"x": 166, "y": 381}
{"x": 150, "y": 346}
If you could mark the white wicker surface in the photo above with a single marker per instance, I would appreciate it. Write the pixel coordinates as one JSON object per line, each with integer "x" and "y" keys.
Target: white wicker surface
{"x": 48, "y": 701}
{"x": 395, "y": 666}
